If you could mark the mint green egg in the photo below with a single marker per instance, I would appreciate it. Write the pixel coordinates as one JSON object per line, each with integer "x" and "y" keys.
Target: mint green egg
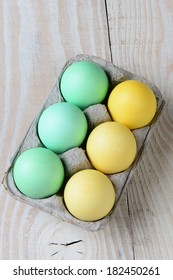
{"x": 62, "y": 126}
{"x": 84, "y": 83}
{"x": 38, "y": 173}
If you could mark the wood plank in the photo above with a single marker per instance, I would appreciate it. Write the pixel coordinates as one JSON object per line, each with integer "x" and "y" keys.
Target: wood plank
{"x": 38, "y": 37}
{"x": 141, "y": 35}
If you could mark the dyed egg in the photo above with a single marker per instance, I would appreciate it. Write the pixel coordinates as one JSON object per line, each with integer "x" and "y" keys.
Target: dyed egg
{"x": 62, "y": 126}
{"x": 38, "y": 173}
{"x": 132, "y": 103}
{"x": 111, "y": 147}
{"x": 84, "y": 83}
{"x": 89, "y": 195}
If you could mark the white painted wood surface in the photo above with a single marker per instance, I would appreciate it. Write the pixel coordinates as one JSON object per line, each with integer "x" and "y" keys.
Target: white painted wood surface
{"x": 36, "y": 39}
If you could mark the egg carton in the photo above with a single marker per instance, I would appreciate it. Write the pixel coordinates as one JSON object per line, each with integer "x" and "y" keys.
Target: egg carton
{"x": 76, "y": 159}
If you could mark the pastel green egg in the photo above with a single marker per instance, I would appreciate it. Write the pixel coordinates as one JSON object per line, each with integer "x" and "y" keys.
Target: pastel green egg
{"x": 38, "y": 173}
{"x": 84, "y": 83}
{"x": 62, "y": 126}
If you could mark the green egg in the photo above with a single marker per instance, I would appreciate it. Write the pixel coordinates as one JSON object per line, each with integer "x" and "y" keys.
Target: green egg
{"x": 38, "y": 173}
{"x": 84, "y": 83}
{"x": 62, "y": 126}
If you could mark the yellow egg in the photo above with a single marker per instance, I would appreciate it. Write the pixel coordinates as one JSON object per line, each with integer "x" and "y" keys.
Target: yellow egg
{"x": 89, "y": 195}
{"x": 111, "y": 147}
{"x": 132, "y": 103}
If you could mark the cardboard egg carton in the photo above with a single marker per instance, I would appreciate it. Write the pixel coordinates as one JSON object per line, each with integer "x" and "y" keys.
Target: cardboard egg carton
{"x": 76, "y": 159}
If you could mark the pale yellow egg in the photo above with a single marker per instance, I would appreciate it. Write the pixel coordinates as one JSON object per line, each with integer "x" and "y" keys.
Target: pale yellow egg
{"x": 89, "y": 195}
{"x": 111, "y": 147}
{"x": 132, "y": 103}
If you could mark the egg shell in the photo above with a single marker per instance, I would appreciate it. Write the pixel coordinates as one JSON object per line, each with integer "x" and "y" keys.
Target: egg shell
{"x": 38, "y": 173}
{"x": 62, "y": 126}
{"x": 84, "y": 83}
{"x": 76, "y": 159}
{"x": 89, "y": 195}
{"x": 111, "y": 147}
{"x": 132, "y": 103}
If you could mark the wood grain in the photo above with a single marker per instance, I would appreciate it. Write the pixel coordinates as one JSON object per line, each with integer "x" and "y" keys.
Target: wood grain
{"x": 143, "y": 45}
{"x": 38, "y": 37}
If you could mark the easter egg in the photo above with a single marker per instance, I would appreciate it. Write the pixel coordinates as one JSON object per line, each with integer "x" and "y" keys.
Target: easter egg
{"x": 84, "y": 83}
{"x": 38, "y": 173}
{"x": 62, "y": 126}
{"x": 132, "y": 103}
{"x": 111, "y": 147}
{"x": 89, "y": 195}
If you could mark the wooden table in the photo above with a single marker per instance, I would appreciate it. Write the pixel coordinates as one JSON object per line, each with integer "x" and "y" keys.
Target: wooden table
{"x": 37, "y": 37}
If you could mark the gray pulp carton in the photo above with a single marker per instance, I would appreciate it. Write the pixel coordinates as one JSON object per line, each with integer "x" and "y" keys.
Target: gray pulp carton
{"x": 76, "y": 159}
